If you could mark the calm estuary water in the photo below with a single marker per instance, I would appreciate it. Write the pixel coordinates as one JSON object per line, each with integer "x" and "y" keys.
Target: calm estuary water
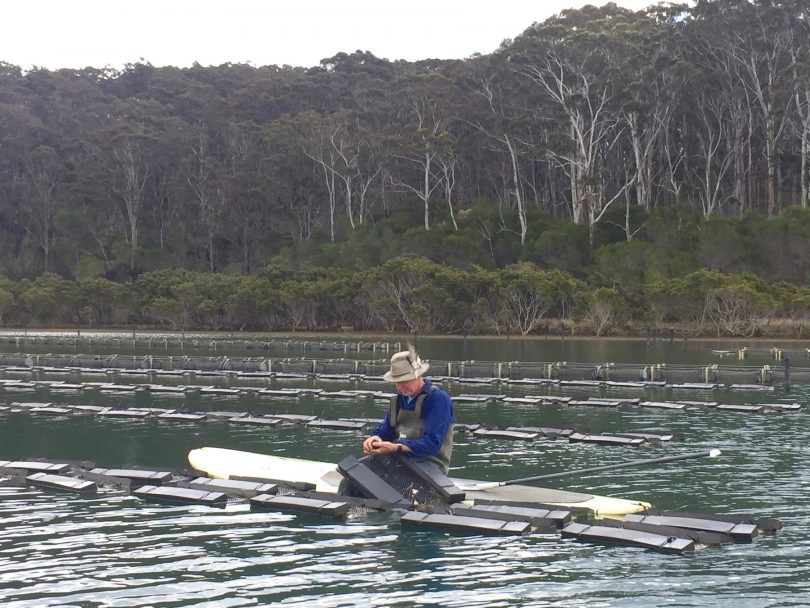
{"x": 116, "y": 551}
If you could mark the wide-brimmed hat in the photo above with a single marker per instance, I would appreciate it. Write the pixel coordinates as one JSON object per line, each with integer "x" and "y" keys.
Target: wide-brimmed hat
{"x": 405, "y": 366}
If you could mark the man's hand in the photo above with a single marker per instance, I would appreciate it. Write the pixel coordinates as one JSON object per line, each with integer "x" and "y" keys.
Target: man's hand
{"x": 374, "y": 446}
{"x": 370, "y": 444}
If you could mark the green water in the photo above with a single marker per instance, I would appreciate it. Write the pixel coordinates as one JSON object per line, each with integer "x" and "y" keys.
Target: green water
{"x": 114, "y": 550}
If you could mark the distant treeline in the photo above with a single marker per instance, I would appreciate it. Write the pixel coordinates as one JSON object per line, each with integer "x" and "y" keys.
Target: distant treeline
{"x": 414, "y": 295}
{"x": 589, "y": 141}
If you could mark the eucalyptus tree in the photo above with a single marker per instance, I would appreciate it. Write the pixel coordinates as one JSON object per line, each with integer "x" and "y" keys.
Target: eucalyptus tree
{"x": 740, "y": 305}
{"x": 713, "y": 160}
{"x": 44, "y": 177}
{"x": 290, "y": 186}
{"x": 346, "y": 152}
{"x": 650, "y": 90}
{"x": 421, "y": 138}
{"x": 320, "y": 148}
{"x": 730, "y": 127}
{"x": 527, "y": 294}
{"x": 575, "y": 62}
{"x": 756, "y": 36}
{"x": 401, "y": 290}
{"x": 505, "y": 125}
{"x": 799, "y": 46}
{"x": 241, "y": 182}
{"x": 604, "y": 307}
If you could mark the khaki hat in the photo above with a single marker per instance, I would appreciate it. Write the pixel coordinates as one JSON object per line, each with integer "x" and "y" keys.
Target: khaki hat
{"x": 405, "y": 366}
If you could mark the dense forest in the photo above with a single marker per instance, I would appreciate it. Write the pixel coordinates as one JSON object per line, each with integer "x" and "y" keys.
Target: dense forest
{"x": 603, "y": 167}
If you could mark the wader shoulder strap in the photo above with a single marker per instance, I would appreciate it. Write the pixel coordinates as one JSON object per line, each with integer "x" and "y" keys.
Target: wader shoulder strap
{"x": 394, "y": 407}
{"x": 417, "y": 409}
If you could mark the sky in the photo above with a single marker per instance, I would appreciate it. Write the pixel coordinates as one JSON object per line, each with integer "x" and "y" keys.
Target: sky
{"x": 57, "y": 34}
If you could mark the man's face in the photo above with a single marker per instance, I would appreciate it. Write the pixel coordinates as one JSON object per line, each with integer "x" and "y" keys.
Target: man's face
{"x": 410, "y": 388}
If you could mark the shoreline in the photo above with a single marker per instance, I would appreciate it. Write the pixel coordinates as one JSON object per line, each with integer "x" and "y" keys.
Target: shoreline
{"x": 123, "y": 333}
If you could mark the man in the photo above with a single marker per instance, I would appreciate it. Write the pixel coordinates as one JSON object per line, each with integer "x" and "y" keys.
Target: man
{"x": 420, "y": 419}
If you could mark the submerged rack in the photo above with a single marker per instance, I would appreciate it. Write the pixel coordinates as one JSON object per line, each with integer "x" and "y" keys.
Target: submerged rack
{"x": 242, "y": 418}
{"x": 628, "y": 375}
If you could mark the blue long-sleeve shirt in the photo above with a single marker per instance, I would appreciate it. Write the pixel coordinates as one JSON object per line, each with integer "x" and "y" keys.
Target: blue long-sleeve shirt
{"x": 437, "y": 412}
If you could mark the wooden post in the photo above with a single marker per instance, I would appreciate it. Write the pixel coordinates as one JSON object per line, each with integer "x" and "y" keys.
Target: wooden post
{"x": 786, "y": 361}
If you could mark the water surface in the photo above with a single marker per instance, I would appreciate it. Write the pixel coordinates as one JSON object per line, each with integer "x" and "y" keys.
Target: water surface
{"x": 116, "y": 551}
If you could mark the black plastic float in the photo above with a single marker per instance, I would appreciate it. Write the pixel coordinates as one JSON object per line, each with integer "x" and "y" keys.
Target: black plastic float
{"x": 739, "y": 532}
{"x": 52, "y": 411}
{"x": 14, "y": 466}
{"x": 622, "y": 536}
{"x": 595, "y": 402}
{"x": 767, "y": 525}
{"x": 124, "y": 413}
{"x": 342, "y": 425}
{"x": 300, "y": 504}
{"x": 295, "y": 418}
{"x": 63, "y": 483}
{"x": 649, "y": 437}
{"x": 232, "y": 487}
{"x": 746, "y": 409}
{"x": 430, "y": 472}
{"x": 513, "y": 435}
{"x": 136, "y": 476}
{"x": 181, "y": 417}
{"x": 543, "y": 519}
{"x": 182, "y": 496}
{"x": 294, "y": 485}
{"x": 606, "y": 440}
{"x": 88, "y": 409}
{"x": 700, "y": 537}
{"x": 259, "y": 420}
{"x": 666, "y": 405}
{"x": 371, "y": 484}
{"x": 546, "y": 432}
{"x": 458, "y": 523}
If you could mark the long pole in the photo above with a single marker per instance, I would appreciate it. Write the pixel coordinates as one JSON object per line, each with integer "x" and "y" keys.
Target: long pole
{"x": 713, "y": 453}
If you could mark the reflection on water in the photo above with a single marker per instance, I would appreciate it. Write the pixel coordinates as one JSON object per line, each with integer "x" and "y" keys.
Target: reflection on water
{"x": 114, "y": 550}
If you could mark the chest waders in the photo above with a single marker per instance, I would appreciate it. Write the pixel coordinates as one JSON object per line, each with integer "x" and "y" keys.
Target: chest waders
{"x": 409, "y": 424}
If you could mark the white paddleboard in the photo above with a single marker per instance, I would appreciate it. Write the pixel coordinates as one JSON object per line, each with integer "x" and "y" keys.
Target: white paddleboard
{"x": 222, "y": 463}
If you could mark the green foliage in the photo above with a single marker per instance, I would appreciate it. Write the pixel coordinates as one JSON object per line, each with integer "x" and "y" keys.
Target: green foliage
{"x": 562, "y": 246}
{"x": 606, "y": 307}
{"x": 6, "y": 296}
